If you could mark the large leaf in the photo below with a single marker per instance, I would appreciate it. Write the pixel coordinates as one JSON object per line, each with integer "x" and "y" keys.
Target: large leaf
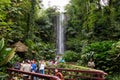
{"x": 1, "y": 44}
{"x": 3, "y": 75}
{"x": 8, "y": 57}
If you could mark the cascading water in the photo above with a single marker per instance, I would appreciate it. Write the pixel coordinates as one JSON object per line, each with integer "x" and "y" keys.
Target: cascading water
{"x": 60, "y": 33}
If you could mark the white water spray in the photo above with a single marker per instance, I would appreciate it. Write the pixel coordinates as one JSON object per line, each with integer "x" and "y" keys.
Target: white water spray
{"x": 60, "y": 33}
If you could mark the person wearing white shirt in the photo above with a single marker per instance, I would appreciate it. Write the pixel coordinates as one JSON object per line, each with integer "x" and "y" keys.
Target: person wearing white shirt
{"x": 41, "y": 67}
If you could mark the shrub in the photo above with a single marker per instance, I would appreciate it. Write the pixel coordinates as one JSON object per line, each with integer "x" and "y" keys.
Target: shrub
{"x": 106, "y": 55}
{"x": 115, "y": 76}
{"x": 71, "y": 56}
{"x": 42, "y": 50}
{"x": 76, "y": 45}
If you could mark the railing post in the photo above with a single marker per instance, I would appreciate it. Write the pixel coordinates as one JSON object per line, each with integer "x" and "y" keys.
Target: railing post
{"x": 31, "y": 77}
{"x": 10, "y": 75}
{"x": 48, "y": 71}
{"x": 99, "y": 76}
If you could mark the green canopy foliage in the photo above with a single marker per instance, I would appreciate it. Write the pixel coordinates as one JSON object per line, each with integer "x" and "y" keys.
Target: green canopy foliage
{"x": 6, "y": 54}
{"x": 92, "y": 30}
{"x": 91, "y": 20}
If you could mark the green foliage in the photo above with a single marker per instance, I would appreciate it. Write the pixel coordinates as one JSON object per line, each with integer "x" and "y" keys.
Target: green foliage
{"x": 6, "y": 54}
{"x": 75, "y": 44}
{"x": 46, "y": 22}
{"x": 73, "y": 67}
{"x": 6, "y": 58}
{"x": 98, "y": 46}
{"x": 115, "y": 76}
{"x": 17, "y": 19}
{"x": 47, "y": 51}
{"x": 105, "y": 54}
{"x": 71, "y": 56}
{"x": 4, "y": 24}
{"x": 90, "y": 20}
{"x": 2, "y": 44}
{"x": 42, "y": 50}
{"x": 3, "y": 76}
{"x": 14, "y": 59}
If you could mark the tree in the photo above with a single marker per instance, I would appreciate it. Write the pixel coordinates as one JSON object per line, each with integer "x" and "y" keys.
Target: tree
{"x": 90, "y": 22}
{"x": 46, "y": 24}
{"x": 18, "y": 17}
{"x": 89, "y": 19}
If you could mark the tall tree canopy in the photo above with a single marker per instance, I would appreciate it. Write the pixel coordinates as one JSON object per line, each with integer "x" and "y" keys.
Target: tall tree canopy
{"x": 17, "y": 17}
{"x": 93, "y": 30}
{"x": 89, "y": 19}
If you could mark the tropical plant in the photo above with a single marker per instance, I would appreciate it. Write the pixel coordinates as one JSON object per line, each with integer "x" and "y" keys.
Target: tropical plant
{"x": 42, "y": 50}
{"x": 89, "y": 19}
{"x": 71, "y": 56}
{"x": 76, "y": 44}
{"x": 46, "y": 22}
{"x": 3, "y": 76}
{"x": 73, "y": 67}
{"x": 115, "y": 76}
{"x": 105, "y": 53}
{"x": 6, "y": 54}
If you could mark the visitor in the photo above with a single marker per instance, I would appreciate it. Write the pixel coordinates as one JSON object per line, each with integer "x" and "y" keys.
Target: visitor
{"x": 50, "y": 62}
{"x": 56, "y": 63}
{"x": 22, "y": 64}
{"x": 91, "y": 63}
{"x": 17, "y": 65}
{"x": 59, "y": 74}
{"x": 26, "y": 68}
{"x": 62, "y": 61}
{"x": 33, "y": 66}
{"x": 41, "y": 66}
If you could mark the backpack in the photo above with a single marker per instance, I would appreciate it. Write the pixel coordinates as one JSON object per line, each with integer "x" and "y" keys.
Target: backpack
{"x": 17, "y": 65}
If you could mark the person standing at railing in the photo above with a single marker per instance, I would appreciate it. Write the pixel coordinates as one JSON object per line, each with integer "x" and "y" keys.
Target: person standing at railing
{"x": 22, "y": 63}
{"x": 26, "y": 68}
{"x": 59, "y": 74}
{"x": 42, "y": 66}
{"x": 33, "y": 66}
{"x": 17, "y": 65}
{"x": 91, "y": 63}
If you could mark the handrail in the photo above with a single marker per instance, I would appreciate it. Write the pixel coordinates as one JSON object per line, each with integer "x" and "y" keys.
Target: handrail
{"x": 44, "y": 76}
{"x": 97, "y": 75}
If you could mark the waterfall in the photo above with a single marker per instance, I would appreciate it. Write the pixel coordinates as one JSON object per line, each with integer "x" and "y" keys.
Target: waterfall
{"x": 60, "y": 33}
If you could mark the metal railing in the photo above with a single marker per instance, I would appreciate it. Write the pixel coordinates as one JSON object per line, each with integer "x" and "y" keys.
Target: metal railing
{"x": 19, "y": 74}
{"x": 67, "y": 73}
{"x": 78, "y": 74}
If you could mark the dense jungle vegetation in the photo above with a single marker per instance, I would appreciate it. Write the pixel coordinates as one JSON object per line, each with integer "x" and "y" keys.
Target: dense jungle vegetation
{"x": 92, "y": 31}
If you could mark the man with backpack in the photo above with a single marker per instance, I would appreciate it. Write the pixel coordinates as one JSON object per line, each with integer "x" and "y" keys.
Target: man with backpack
{"x": 17, "y": 65}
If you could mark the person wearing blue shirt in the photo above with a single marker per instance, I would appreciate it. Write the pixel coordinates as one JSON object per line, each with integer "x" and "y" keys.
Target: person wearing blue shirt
{"x": 33, "y": 66}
